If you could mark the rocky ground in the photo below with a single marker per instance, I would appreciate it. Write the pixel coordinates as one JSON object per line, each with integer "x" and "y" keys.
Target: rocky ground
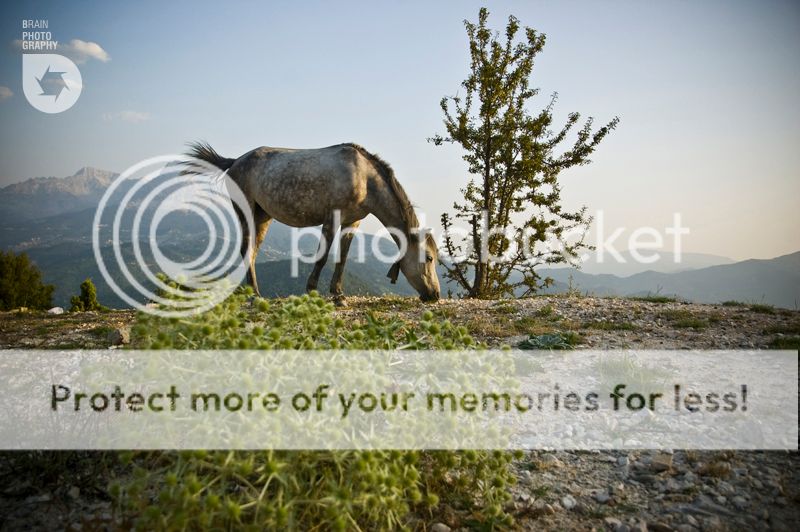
{"x": 603, "y": 490}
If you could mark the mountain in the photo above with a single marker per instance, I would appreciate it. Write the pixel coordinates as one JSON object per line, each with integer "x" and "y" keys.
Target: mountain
{"x": 666, "y": 263}
{"x": 48, "y": 196}
{"x": 773, "y": 281}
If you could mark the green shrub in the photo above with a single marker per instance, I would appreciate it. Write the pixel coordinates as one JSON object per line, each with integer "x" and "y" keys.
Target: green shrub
{"x": 21, "y": 283}
{"x": 268, "y": 490}
{"x": 732, "y": 303}
{"x": 762, "y": 309}
{"x": 87, "y": 300}
{"x": 785, "y": 342}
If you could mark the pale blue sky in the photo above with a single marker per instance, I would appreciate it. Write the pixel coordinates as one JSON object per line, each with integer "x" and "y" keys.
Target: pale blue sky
{"x": 707, "y": 92}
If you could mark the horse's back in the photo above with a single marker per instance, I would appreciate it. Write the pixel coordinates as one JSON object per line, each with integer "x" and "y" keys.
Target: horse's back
{"x": 301, "y": 187}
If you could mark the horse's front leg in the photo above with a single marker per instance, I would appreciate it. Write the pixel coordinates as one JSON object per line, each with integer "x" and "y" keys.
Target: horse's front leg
{"x": 325, "y": 241}
{"x": 348, "y": 231}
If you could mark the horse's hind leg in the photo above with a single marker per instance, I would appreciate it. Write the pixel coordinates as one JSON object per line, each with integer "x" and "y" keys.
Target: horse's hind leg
{"x": 261, "y": 221}
{"x": 348, "y": 231}
{"x": 325, "y": 241}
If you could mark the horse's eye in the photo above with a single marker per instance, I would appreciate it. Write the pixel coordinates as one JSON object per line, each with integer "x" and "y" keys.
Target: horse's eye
{"x": 428, "y": 258}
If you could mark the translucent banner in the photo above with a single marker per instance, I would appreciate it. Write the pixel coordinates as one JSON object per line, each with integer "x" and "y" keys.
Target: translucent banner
{"x": 398, "y": 399}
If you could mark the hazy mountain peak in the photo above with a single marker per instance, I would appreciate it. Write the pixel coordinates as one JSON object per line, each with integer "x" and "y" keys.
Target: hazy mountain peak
{"x": 86, "y": 180}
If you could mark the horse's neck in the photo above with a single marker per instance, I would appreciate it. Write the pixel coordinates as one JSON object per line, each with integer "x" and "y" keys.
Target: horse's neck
{"x": 389, "y": 211}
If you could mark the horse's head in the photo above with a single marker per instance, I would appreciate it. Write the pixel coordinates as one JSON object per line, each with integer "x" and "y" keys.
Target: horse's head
{"x": 419, "y": 266}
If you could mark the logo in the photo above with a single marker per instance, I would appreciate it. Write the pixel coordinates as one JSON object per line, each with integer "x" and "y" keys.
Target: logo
{"x": 128, "y": 217}
{"x": 51, "y": 82}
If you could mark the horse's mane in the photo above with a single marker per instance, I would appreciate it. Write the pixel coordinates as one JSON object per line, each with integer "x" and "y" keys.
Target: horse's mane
{"x": 406, "y": 208}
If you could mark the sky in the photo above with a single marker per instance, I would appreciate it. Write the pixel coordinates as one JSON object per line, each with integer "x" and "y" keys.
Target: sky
{"x": 707, "y": 94}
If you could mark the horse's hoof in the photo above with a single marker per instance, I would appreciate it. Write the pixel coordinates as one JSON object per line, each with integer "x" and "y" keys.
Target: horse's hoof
{"x": 339, "y": 301}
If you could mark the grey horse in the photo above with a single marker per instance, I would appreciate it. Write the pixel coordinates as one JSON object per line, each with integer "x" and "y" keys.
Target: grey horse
{"x": 306, "y": 187}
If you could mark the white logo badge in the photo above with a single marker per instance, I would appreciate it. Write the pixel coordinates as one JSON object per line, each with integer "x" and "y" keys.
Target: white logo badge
{"x": 51, "y": 82}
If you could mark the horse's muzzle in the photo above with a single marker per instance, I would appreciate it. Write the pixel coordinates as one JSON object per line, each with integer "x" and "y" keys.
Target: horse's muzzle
{"x": 430, "y": 298}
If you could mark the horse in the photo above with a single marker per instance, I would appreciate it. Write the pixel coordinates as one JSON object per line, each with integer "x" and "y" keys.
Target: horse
{"x": 343, "y": 183}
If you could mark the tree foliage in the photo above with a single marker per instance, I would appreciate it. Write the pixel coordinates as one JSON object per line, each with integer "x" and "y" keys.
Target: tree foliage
{"x": 87, "y": 300}
{"x": 21, "y": 283}
{"x": 512, "y": 202}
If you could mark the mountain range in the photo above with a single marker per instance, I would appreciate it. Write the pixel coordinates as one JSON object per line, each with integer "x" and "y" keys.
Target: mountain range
{"x": 51, "y": 219}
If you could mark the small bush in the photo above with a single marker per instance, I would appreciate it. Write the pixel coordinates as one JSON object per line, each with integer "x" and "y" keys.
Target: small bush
{"x": 21, "y": 283}
{"x": 785, "y": 342}
{"x": 762, "y": 309}
{"x": 732, "y": 303}
{"x": 87, "y": 300}
{"x": 555, "y": 341}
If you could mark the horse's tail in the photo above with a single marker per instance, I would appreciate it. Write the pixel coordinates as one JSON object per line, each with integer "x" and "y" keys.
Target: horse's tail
{"x": 203, "y": 151}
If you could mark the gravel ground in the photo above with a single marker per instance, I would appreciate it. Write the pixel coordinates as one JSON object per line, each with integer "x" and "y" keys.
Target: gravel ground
{"x": 603, "y": 490}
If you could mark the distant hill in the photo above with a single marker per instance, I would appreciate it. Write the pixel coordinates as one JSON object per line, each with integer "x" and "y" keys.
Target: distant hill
{"x": 666, "y": 263}
{"x": 773, "y": 281}
{"x": 48, "y": 196}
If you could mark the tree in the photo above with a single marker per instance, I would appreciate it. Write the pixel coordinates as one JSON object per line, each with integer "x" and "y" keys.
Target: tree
{"x": 87, "y": 300}
{"x": 512, "y": 202}
{"x": 21, "y": 283}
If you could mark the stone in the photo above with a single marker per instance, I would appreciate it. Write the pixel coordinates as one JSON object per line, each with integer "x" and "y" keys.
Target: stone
{"x": 657, "y": 526}
{"x": 74, "y": 492}
{"x": 568, "y": 502}
{"x": 661, "y": 462}
{"x": 550, "y": 461}
{"x": 440, "y": 527}
{"x": 56, "y": 310}
{"x": 602, "y": 497}
{"x": 740, "y": 502}
{"x": 623, "y": 461}
{"x": 612, "y": 522}
{"x": 119, "y": 336}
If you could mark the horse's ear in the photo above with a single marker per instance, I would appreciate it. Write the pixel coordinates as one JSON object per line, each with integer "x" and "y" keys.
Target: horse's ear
{"x": 394, "y": 271}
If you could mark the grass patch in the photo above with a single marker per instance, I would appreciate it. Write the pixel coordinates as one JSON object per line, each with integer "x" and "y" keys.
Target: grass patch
{"x": 783, "y": 328}
{"x": 546, "y": 311}
{"x": 785, "y": 342}
{"x": 101, "y": 332}
{"x": 762, "y": 309}
{"x": 655, "y": 299}
{"x": 610, "y": 325}
{"x": 675, "y": 314}
{"x": 503, "y": 308}
{"x": 540, "y": 491}
{"x": 690, "y": 323}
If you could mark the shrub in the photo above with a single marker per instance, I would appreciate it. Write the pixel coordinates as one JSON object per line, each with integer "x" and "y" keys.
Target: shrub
{"x": 762, "y": 309}
{"x": 87, "y": 300}
{"x": 337, "y": 490}
{"x": 21, "y": 283}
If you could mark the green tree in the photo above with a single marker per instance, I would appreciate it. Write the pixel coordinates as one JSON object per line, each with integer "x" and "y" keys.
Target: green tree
{"x": 21, "y": 283}
{"x": 512, "y": 202}
{"x": 87, "y": 300}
